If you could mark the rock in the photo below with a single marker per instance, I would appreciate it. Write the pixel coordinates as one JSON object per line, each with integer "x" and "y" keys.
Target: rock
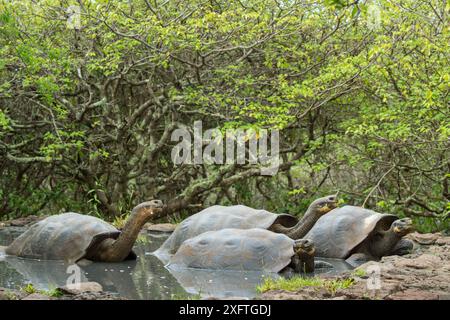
{"x": 161, "y": 227}
{"x": 412, "y": 294}
{"x": 424, "y": 261}
{"x": 225, "y": 298}
{"x": 443, "y": 241}
{"x": 287, "y": 295}
{"x": 339, "y": 298}
{"x": 94, "y": 296}
{"x": 38, "y": 296}
{"x": 423, "y": 238}
{"x": 306, "y": 293}
{"x": 77, "y": 288}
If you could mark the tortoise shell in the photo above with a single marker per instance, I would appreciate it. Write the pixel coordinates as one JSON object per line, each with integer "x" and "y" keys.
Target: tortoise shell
{"x": 235, "y": 249}
{"x": 338, "y": 232}
{"x": 221, "y": 217}
{"x": 68, "y": 236}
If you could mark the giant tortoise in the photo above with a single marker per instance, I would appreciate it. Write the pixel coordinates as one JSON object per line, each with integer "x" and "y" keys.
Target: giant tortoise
{"x": 245, "y": 250}
{"x": 359, "y": 234}
{"x": 243, "y": 217}
{"x": 72, "y": 237}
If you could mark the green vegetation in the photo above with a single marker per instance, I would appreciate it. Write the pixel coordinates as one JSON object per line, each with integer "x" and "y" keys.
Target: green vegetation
{"x": 359, "y": 273}
{"x": 297, "y": 283}
{"x": 358, "y": 89}
{"x": 143, "y": 239}
{"x": 119, "y": 221}
{"x": 176, "y": 218}
{"x": 334, "y": 285}
{"x": 197, "y": 296}
{"x": 30, "y": 289}
{"x": 293, "y": 284}
{"x": 56, "y": 293}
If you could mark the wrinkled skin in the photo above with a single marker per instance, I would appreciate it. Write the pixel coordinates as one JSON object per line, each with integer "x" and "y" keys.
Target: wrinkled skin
{"x": 382, "y": 243}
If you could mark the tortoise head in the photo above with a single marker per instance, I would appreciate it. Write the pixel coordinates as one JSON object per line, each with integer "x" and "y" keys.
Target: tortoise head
{"x": 402, "y": 226}
{"x": 324, "y": 205}
{"x": 304, "y": 247}
{"x": 149, "y": 208}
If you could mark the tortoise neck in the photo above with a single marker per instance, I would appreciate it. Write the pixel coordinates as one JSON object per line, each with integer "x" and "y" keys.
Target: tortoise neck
{"x": 381, "y": 247}
{"x": 302, "y": 227}
{"x": 303, "y": 262}
{"x": 121, "y": 248}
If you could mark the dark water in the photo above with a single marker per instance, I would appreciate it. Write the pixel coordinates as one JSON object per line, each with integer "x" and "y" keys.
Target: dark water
{"x": 144, "y": 278}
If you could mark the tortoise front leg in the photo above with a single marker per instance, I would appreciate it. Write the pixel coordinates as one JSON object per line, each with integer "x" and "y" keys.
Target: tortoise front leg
{"x": 404, "y": 246}
{"x": 357, "y": 259}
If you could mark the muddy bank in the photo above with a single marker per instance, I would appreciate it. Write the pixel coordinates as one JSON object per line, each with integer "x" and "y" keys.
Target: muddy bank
{"x": 82, "y": 291}
{"x": 421, "y": 275}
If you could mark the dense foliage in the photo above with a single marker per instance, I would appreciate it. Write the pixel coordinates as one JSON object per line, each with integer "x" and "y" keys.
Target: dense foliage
{"x": 359, "y": 90}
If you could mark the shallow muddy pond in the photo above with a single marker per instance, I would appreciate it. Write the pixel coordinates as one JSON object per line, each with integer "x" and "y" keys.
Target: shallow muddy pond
{"x": 144, "y": 278}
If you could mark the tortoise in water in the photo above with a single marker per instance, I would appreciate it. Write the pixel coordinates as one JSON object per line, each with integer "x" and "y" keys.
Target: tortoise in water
{"x": 72, "y": 237}
{"x": 245, "y": 250}
{"x": 243, "y": 217}
{"x": 359, "y": 234}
